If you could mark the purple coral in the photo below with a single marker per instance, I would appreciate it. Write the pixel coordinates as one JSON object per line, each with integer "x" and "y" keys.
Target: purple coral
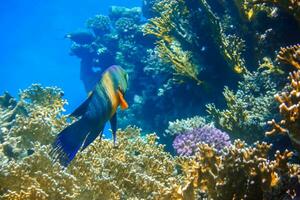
{"x": 186, "y": 144}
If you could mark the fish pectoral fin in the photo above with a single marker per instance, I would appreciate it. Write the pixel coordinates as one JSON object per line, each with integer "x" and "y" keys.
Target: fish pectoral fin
{"x": 83, "y": 107}
{"x": 123, "y": 103}
{"x": 113, "y": 125}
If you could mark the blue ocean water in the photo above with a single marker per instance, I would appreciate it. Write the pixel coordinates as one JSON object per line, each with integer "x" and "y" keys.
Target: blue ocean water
{"x": 33, "y": 48}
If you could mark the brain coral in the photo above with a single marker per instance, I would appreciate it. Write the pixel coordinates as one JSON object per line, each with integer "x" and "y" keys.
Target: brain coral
{"x": 186, "y": 144}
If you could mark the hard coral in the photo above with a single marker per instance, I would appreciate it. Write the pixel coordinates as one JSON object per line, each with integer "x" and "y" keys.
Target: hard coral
{"x": 117, "y": 12}
{"x": 290, "y": 111}
{"x": 240, "y": 173}
{"x": 231, "y": 47}
{"x": 290, "y": 55}
{"x": 35, "y": 177}
{"x": 291, "y": 6}
{"x": 186, "y": 144}
{"x": 172, "y": 20}
{"x": 37, "y": 116}
{"x": 181, "y": 126}
{"x": 181, "y": 61}
{"x": 126, "y": 26}
{"x": 248, "y": 108}
{"x": 137, "y": 169}
{"x": 100, "y": 24}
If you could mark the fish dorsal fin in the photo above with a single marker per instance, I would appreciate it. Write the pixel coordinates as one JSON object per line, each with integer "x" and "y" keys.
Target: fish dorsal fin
{"x": 123, "y": 103}
{"x": 83, "y": 107}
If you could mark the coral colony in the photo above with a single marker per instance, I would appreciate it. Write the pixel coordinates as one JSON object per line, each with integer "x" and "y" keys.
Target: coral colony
{"x": 179, "y": 59}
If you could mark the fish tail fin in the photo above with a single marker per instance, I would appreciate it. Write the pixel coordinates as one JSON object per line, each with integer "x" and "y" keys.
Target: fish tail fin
{"x": 69, "y": 141}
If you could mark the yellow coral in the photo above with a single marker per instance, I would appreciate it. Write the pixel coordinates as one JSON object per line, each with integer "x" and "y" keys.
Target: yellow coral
{"x": 169, "y": 49}
{"x": 267, "y": 64}
{"x": 241, "y": 172}
{"x": 138, "y": 168}
{"x": 290, "y": 111}
{"x": 230, "y": 46}
{"x": 36, "y": 176}
{"x": 290, "y": 55}
{"x": 181, "y": 60}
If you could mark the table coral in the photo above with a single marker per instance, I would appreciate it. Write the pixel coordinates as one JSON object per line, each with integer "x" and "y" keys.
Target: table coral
{"x": 241, "y": 172}
{"x": 289, "y": 110}
{"x": 117, "y": 12}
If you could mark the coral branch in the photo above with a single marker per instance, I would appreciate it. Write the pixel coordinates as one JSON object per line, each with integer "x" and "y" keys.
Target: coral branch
{"x": 290, "y": 55}
{"x": 289, "y": 109}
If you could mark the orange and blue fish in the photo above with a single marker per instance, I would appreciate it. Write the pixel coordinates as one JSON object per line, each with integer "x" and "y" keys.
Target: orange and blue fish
{"x": 100, "y": 107}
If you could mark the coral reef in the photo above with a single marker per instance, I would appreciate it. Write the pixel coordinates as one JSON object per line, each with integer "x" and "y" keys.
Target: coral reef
{"x": 138, "y": 168}
{"x": 253, "y": 7}
{"x": 289, "y": 110}
{"x": 186, "y": 144}
{"x": 184, "y": 49}
{"x": 35, "y": 117}
{"x": 100, "y": 24}
{"x": 181, "y": 126}
{"x": 230, "y": 46}
{"x": 240, "y": 172}
{"x": 116, "y": 41}
{"x": 36, "y": 177}
{"x": 290, "y": 55}
{"x": 248, "y": 108}
{"x": 168, "y": 47}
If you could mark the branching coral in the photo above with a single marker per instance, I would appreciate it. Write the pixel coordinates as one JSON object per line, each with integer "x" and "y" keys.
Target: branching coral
{"x": 186, "y": 144}
{"x": 248, "y": 108}
{"x": 36, "y": 177}
{"x": 230, "y": 46}
{"x": 137, "y": 169}
{"x": 254, "y": 6}
{"x": 290, "y": 111}
{"x": 290, "y": 55}
{"x": 126, "y": 26}
{"x": 37, "y": 116}
{"x": 180, "y": 126}
{"x": 181, "y": 61}
{"x": 100, "y": 24}
{"x": 168, "y": 28}
{"x": 44, "y": 119}
{"x": 249, "y": 9}
{"x": 241, "y": 172}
